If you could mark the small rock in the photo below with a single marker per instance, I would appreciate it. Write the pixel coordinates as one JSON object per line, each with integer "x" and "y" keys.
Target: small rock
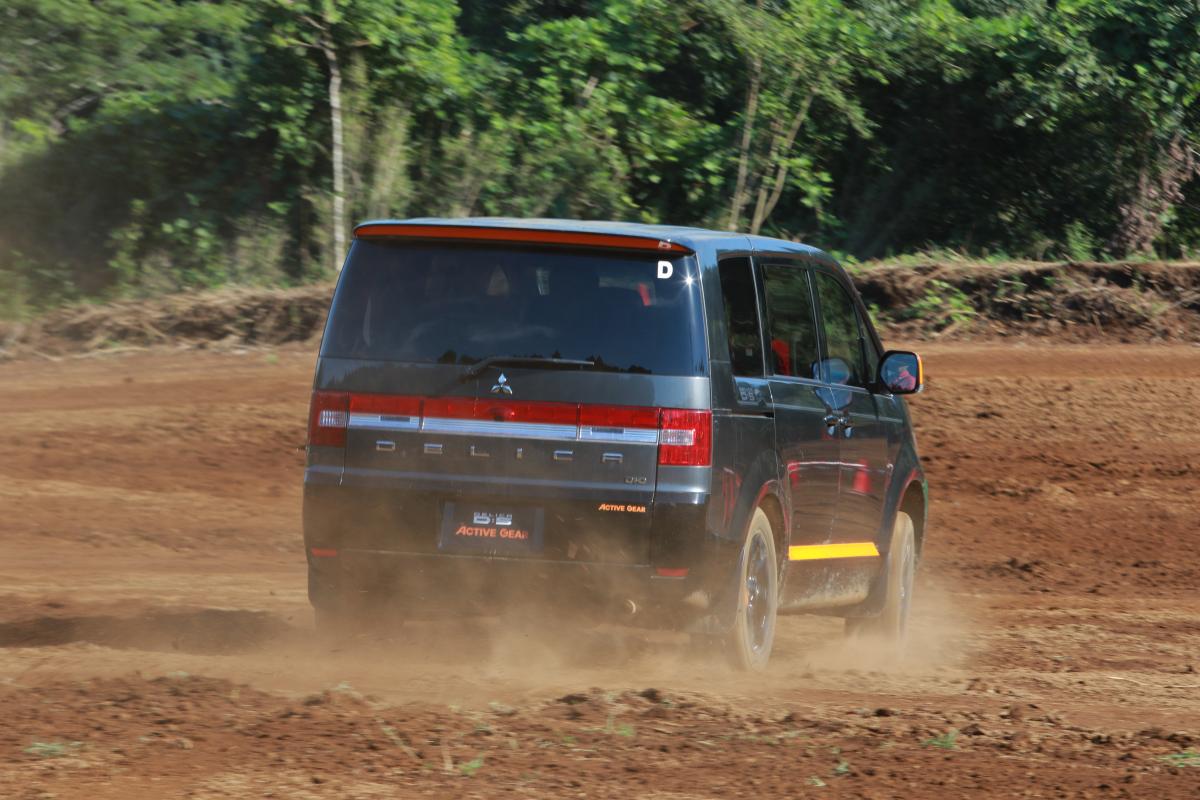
{"x": 573, "y": 699}
{"x": 501, "y": 710}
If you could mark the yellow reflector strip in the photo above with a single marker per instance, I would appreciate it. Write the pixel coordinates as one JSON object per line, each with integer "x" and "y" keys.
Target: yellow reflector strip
{"x": 812, "y": 552}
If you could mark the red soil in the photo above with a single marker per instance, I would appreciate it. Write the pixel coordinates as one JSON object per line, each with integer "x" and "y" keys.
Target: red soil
{"x": 155, "y": 640}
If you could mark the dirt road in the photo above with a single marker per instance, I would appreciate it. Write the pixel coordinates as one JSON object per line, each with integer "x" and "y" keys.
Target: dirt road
{"x": 155, "y": 639}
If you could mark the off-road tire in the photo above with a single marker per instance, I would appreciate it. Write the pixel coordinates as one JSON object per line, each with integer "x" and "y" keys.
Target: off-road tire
{"x": 891, "y": 626}
{"x": 748, "y": 644}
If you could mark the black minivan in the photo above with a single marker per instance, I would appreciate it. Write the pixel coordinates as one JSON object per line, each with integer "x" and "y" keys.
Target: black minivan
{"x": 691, "y": 428}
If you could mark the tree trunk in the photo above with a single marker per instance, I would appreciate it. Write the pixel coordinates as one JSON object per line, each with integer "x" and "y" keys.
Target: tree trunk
{"x": 339, "y": 155}
{"x": 739, "y": 191}
{"x": 779, "y": 154}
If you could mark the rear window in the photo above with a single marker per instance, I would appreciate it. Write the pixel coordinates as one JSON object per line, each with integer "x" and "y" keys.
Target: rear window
{"x": 459, "y": 304}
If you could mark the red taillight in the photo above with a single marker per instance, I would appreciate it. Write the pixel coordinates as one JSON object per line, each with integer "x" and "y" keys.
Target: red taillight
{"x": 323, "y": 552}
{"x": 450, "y": 407}
{"x": 328, "y": 416}
{"x": 671, "y": 572}
{"x": 684, "y": 435}
{"x": 389, "y": 405}
{"x": 685, "y": 438}
{"x": 496, "y": 410}
{"x": 619, "y": 417}
{"x": 518, "y": 411}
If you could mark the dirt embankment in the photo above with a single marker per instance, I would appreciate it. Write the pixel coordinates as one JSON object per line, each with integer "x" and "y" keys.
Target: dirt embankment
{"x": 226, "y": 317}
{"x": 1126, "y": 302}
{"x": 1072, "y": 302}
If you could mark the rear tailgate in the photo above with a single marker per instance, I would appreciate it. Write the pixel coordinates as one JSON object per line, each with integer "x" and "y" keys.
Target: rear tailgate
{"x": 589, "y": 470}
{"x": 568, "y": 456}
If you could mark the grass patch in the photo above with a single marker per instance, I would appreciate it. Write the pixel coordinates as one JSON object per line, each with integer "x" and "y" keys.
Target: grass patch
{"x": 932, "y": 256}
{"x": 622, "y": 729}
{"x": 943, "y": 304}
{"x": 947, "y": 741}
{"x": 52, "y": 749}
{"x": 469, "y": 768}
{"x": 1188, "y": 758}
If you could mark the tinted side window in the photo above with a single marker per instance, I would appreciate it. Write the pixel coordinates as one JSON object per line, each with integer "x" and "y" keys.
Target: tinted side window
{"x": 741, "y": 317}
{"x": 792, "y": 321}
{"x": 843, "y": 340}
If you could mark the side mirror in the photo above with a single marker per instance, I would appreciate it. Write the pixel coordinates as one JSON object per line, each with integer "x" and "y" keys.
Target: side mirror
{"x": 901, "y": 372}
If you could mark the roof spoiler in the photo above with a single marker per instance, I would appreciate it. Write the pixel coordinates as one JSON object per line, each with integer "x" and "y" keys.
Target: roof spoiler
{"x": 478, "y": 233}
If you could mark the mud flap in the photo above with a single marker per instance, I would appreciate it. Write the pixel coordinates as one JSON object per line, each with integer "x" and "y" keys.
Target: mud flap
{"x": 323, "y": 588}
{"x": 722, "y": 608}
{"x": 876, "y": 596}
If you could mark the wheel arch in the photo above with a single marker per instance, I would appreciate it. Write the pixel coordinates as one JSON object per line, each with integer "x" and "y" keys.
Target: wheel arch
{"x": 908, "y": 491}
{"x": 914, "y": 501}
{"x": 910, "y": 495}
{"x": 772, "y": 506}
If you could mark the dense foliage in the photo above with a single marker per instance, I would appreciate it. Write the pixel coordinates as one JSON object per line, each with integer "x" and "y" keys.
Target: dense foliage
{"x": 148, "y": 145}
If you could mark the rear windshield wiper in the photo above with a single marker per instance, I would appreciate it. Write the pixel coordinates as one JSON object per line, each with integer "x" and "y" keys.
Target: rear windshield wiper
{"x": 524, "y": 361}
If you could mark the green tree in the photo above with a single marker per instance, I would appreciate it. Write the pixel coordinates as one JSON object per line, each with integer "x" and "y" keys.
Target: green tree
{"x": 409, "y": 46}
{"x": 1142, "y": 61}
{"x": 799, "y": 54}
{"x": 148, "y": 145}
{"x": 66, "y": 60}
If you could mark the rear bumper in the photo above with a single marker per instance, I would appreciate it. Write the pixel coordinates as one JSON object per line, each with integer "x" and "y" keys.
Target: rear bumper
{"x": 438, "y": 585}
{"x": 381, "y": 544}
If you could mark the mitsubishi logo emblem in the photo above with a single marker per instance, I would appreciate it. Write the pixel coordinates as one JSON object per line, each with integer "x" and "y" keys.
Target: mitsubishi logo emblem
{"x": 502, "y": 386}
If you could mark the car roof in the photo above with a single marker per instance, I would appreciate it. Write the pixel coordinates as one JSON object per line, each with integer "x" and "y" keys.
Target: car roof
{"x": 692, "y": 238}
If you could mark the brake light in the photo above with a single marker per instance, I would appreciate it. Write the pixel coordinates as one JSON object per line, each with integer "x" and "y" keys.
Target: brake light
{"x": 388, "y": 405}
{"x": 518, "y": 411}
{"x": 450, "y": 407}
{"x": 685, "y": 438}
{"x": 328, "y": 416}
{"x": 684, "y": 435}
{"x": 619, "y": 417}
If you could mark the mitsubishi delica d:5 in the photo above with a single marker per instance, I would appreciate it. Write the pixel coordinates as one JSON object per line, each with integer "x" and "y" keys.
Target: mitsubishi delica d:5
{"x": 698, "y": 430}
